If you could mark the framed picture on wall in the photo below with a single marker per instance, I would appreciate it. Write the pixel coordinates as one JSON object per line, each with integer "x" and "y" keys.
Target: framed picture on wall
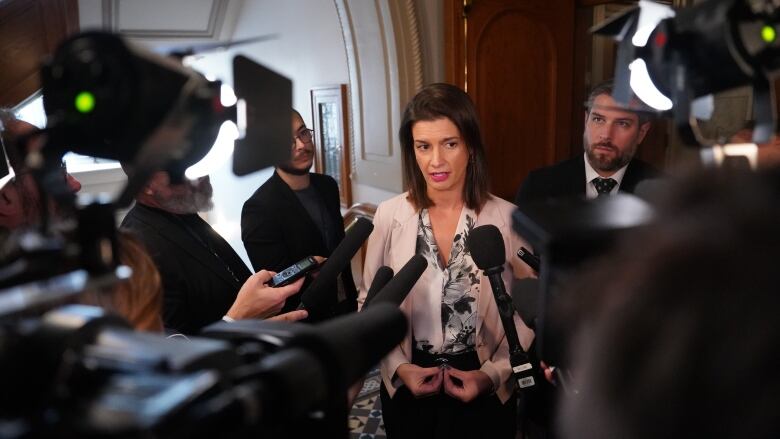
{"x": 332, "y": 157}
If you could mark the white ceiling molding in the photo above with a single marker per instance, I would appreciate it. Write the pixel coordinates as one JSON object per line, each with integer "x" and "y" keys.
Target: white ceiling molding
{"x": 172, "y": 19}
{"x": 409, "y": 46}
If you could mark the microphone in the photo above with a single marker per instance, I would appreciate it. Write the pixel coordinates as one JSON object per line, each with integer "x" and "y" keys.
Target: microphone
{"x": 306, "y": 369}
{"x": 349, "y": 346}
{"x": 320, "y": 297}
{"x": 399, "y": 286}
{"x": 525, "y": 297}
{"x": 381, "y": 278}
{"x": 487, "y": 249}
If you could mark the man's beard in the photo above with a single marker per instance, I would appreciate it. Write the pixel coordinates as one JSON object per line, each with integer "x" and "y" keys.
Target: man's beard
{"x": 604, "y": 163}
{"x": 290, "y": 169}
{"x": 196, "y": 199}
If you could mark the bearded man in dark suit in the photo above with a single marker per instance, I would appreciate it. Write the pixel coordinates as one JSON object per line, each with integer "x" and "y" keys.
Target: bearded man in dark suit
{"x": 608, "y": 166}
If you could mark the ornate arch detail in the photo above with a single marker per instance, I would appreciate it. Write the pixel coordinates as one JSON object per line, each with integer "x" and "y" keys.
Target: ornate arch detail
{"x": 385, "y": 64}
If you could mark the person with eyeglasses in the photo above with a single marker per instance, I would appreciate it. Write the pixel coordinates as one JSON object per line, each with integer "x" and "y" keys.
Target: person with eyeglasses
{"x": 294, "y": 214}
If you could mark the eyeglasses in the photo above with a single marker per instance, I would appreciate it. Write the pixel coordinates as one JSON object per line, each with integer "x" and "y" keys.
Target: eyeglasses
{"x": 305, "y": 136}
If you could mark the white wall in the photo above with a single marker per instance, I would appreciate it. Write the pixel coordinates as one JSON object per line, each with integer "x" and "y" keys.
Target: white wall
{"x": 309, "y": 50}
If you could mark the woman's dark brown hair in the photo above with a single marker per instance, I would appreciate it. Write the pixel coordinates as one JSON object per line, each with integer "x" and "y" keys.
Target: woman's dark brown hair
{"x": 437, "y": 101}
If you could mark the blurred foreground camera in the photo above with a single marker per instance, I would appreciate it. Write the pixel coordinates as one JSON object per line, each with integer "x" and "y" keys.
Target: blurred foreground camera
{"x": 567, "y": 234}
{"x": 674, "y": 60}
{"x": 77, "y": 371}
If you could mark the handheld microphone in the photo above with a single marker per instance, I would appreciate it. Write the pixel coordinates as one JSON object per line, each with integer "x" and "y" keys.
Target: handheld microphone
{"x": 529, "y": 258}
{"x": 320, "y": 297}
{"x": 381, "y": 278}
{"x": 350, "y": 345}
{"x": 399, "y": 286}
{"x": 487, "y": 249}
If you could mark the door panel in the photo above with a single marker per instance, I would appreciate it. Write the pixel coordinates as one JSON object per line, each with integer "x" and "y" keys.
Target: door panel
{"x": 515, "y": 58}
{"x": 30, "y": 30}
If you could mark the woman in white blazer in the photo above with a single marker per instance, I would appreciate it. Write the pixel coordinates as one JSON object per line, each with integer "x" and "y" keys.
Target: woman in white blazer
{"x": 450, "y": 376}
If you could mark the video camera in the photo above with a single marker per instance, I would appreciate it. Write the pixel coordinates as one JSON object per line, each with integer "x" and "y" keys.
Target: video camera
{"x": 567, "y": 234}
{"x": 675, "y": 60}
{"x": 76, "y": 371}
{"x": 672, "y": 61}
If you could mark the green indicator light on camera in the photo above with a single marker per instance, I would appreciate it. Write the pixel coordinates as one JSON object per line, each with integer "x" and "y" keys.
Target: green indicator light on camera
{"x": 85, "y": 102}
{"x": 768, "y": 34}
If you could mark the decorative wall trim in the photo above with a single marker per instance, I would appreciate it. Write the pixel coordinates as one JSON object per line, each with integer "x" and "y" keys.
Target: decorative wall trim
{"x": 353, "y": 89}
{"x": 415, "y": 43}
{"x": 385, "y": 63}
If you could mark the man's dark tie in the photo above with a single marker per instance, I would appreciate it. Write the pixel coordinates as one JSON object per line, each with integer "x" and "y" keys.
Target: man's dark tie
{"x": 604, "y": 185}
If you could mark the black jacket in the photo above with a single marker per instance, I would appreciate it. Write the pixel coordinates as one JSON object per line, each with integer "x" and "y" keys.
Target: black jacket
{"x": 198, "y": 286}
{"x": 567, "y": 180}
{"x": 278, "y": 231}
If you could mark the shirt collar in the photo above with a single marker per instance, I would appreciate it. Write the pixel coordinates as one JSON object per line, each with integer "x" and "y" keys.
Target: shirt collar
{"x": 591, "y": 173}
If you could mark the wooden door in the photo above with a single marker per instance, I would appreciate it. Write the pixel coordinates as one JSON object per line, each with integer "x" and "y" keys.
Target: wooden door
{"x": 515, "y": 60}
{"x": 30, "y": 30}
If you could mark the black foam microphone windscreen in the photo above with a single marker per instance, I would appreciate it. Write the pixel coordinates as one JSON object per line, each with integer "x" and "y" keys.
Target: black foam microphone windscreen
{"x": 321, "y": 295}
{"x": 487, "y": 247}
{"x": 350, "y": 345}
{"x": 399, "y": 286}
{"x": 381, "y": 278}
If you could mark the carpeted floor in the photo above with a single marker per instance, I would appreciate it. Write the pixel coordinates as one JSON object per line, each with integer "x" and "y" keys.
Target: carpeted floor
{"x": 365, "y": 418}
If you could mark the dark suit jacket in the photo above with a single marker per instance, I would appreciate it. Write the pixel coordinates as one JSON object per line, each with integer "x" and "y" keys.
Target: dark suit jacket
{"x": 278, "y": 231}
{"x": 567, "y": 180}
{"x": 198, "y": 288}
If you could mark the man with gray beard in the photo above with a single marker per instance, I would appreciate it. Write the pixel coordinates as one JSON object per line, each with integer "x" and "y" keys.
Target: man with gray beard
{"x": 612, "y": 136}
{"x": 204, "y": 280}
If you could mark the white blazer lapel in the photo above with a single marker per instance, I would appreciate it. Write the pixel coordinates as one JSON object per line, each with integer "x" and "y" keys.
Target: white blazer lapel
{"x": 403, "y": 238}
